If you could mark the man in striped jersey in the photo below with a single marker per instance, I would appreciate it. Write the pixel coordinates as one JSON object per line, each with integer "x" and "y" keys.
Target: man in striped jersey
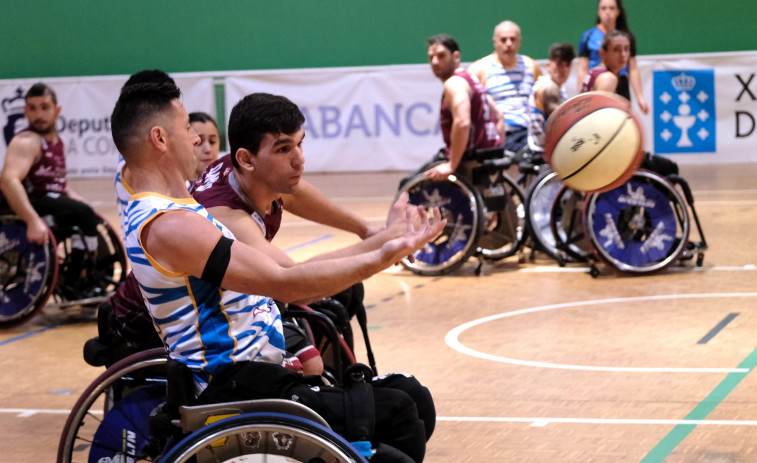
{"x": 509, "y": 77}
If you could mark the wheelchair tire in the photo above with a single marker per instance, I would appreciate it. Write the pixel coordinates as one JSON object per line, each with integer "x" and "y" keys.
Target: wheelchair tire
{"x": 567, "y": 225}
{"x": 460, "y": 204}
{"x": 103, "y": 275}
{"x": 640, "y": 227}
{"x": 28, "y": 272}
{"x": 138, "y": 372}
{"x": 539, "y": 200}
{"x": 504, "y": 230}
{"x": 262, "y": 434}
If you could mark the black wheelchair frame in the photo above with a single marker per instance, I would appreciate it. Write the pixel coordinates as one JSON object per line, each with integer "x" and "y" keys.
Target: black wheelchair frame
{"x": 484, "y": 208}
{"x": 639, "y": 228}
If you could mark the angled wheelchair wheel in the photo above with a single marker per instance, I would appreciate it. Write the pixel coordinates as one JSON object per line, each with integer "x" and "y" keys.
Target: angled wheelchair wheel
{"x": 28, "y": 272}
{"x": 103, "y": 273}
{"x": 566, "y": 223}
{"x": 640, "y": 227}
{"x": 539, "y": 200}
{"x": 460, "y": 204}
{"x": 504, "y": 231}
{"x": 263, "y": 437}
{"x": 110, "y": 419}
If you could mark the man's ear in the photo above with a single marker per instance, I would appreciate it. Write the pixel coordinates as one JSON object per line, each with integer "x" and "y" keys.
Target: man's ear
{"x": 245, "y": 159}
{"x": 158, "y": 137}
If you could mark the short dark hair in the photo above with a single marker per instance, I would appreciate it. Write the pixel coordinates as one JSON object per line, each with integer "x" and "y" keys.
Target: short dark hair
{"x": 40, "y": 89}
{"x": 137, "y": 106}
{"x": 199, "y": 116}
{"x": 611, "y": 35}
{"x": 258, "y": 114}
{"x": 563, "y": 52}
{"x": 445, "y": 40}
{"x": 148, "y": 75}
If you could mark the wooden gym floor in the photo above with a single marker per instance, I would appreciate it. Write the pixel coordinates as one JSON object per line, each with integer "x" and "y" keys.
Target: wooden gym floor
{"x": 529, "y": 362}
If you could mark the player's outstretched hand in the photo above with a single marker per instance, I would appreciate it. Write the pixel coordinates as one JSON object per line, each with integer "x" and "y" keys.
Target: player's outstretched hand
{"x": 420, "y": 227}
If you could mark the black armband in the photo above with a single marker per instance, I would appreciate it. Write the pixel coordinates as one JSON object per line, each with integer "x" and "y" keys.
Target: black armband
{"x": 218, "y": 262}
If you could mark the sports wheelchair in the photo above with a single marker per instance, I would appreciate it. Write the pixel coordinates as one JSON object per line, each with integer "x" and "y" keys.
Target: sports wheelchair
{"x": 31, "y": 273}
{"x": 137, "y": 411}
{"x": 484, "y": 208}
{"x": 639, "y": 228}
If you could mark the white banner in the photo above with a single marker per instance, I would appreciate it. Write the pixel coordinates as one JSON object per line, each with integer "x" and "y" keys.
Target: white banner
{"x": 703, "y": 110}
{"x": 84, "y": 122}
{"x": 357, "y": 119}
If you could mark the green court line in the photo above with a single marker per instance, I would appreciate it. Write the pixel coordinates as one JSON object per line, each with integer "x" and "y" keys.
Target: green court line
{"x": 666, "y": 446}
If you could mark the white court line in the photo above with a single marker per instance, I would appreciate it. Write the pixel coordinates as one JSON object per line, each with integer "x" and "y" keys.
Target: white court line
{"x": 452, "y": 337}
{"x": 27, "y": 412}
{"x": 537, "y": 422}
{"x": 548, "y": 269}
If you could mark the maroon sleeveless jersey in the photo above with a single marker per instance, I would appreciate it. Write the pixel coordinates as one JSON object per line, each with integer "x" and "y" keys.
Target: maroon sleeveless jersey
{"x": 483, "y": 130}
{"x": 217, "y": 187}
{"x": 48, "y": 173}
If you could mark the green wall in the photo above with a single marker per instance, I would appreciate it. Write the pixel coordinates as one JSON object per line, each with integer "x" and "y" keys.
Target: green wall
{"x": 85, "y": 37}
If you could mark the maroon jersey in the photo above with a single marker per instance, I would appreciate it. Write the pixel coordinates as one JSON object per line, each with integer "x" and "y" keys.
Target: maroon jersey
{"x": 483, "y": 130}
{"x": 217, "y": 186}
{"x": 591, "y": 78}
{"x": 48, "y": 173}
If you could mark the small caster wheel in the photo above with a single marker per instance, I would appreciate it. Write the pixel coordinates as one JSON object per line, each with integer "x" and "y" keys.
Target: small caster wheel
{"x": 700, "y": 259}
{"x": 594, "y": 271}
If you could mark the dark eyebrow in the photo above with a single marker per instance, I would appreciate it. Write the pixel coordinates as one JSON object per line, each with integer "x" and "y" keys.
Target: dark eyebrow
{"x": 285, "y": 138}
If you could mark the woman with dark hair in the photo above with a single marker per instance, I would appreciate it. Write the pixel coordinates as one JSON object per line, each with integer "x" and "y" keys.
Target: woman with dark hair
{"x": 207, "y": 151}
{"x": 610, "y": 16}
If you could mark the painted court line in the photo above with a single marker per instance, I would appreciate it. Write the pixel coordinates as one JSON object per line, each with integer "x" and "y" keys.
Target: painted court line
{"x": 666, "y": 446}
{"x": 718, "y": 328}
{"x": 452, "y": 337}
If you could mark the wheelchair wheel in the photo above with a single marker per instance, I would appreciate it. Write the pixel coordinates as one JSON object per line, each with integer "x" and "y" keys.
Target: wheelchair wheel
{"x": 241, "y": 437}
{"x": 460, "y": 204}
{"x": 110, "y": 418}
{"x": 539, "y": 200}
{"x": 102, "y": 275}
{"x": 28, "y": 272}
{"x": 566, "y": 223}
{"x": 640, "y": 227}
{"x": 504, "y": 231}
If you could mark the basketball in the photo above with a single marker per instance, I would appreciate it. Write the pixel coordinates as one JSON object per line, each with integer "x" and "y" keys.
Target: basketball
{"x": 594, "y": 142}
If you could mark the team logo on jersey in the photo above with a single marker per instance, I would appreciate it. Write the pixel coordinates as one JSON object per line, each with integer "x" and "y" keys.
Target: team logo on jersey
{"x": 684, "y": 111}
{"x": 13, "y": 110}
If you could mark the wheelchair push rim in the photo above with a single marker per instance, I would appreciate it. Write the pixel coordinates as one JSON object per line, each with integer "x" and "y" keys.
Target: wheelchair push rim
{"x": 640, "y": 227}
{"x": 459, "y": 202}
{"x": 539, "y": 200}
{"x": 504, "y": 224}
{"x": 28, "y": 272}
{"x": 289, "y": 437}
{"x": 74, "y": 446}
{"x": 567, "y": 225}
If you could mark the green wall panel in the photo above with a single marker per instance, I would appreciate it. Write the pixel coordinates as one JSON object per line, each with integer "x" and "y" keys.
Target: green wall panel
{"x": 85, "y": 37}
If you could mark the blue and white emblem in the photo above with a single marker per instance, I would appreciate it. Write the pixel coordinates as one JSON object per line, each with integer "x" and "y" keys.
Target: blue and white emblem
{"x": 684, "y": 111}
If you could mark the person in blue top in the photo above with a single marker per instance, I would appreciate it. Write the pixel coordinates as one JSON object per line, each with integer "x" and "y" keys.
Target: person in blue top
{"x": 610, "y": 16}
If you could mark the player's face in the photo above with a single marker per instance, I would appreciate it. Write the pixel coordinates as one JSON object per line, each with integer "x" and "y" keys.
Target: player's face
{"x": 507, "y": 42}
{"x": 558, "y": 71}
{"x": 207, "y": 151}
{"x": 608, "y": 12}
{"x": 41, "y": 112}
{"x": 183, "y": 139}
{"x": 617, "y": 54}
{"x": 443, "y": 62}
{"x": 280, "y": 161}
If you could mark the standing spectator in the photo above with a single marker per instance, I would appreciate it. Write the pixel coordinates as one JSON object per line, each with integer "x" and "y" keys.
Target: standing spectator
{"x": 611, "y": 16}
